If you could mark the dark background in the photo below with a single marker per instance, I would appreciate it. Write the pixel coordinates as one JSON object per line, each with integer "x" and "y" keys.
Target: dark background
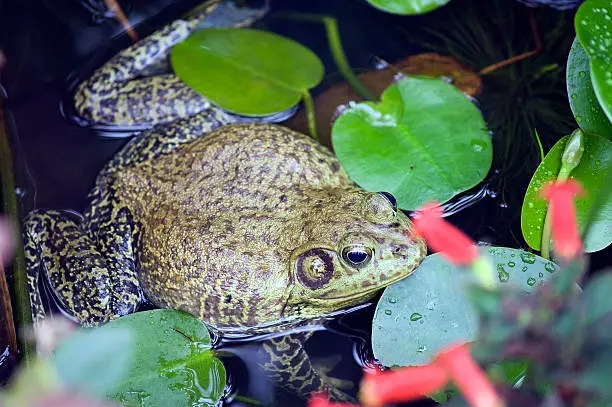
{"x": 56, "y": 160}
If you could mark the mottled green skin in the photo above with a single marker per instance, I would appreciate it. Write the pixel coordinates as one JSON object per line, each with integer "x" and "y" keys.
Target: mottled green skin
{"x": 244, "y": 228}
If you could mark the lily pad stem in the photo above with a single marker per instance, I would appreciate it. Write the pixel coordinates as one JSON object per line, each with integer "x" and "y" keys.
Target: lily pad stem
{"x": 310, "y": 113}
{"x": 335, "y": 46}
{"x": 569, "y": 160}
{"x": 9, "y": 205}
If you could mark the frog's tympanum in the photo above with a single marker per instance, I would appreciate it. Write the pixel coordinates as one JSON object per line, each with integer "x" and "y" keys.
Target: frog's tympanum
{"x": 249, "y": 226}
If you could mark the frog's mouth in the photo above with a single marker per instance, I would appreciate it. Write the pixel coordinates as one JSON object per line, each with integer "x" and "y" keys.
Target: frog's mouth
{"x": 365, "y": 292}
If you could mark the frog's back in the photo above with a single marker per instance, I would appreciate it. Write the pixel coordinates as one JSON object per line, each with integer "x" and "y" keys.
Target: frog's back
{"x": 220, "y": 216}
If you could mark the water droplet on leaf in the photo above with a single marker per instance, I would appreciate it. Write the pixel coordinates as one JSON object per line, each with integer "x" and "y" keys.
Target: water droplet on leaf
{"x": 528, "y": 258}
{"x": 415, "y": 316}
{"x": 502, "y": 274}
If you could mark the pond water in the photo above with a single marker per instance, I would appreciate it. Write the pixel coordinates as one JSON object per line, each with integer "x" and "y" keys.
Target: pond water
{"x": 57, "y": 160}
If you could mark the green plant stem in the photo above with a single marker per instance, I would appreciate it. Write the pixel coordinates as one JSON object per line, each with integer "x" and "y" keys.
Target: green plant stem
{"x": 9, "y": 204}
{"x": 569, "y": 160}
{"x": 335, "y": 46}
{"x": 310, "y": 114}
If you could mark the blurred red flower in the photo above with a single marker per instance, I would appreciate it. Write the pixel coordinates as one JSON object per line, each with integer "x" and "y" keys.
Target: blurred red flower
{"x": 443, "y": 237}
{"x": 453, "y": 363}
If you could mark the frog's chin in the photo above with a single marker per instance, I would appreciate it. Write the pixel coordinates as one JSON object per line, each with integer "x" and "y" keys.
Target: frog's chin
{"x": 363, "y": 295}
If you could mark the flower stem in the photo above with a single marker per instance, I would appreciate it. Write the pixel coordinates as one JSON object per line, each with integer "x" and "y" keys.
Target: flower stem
{"x": 335, "y": 46}
{"x": 569, "y": 160}
{"x": 9, "y": 205}
{"x": 310, "y": 113}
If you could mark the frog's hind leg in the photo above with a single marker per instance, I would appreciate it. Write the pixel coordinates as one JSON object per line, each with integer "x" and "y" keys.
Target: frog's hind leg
{"x": 118, "y": 93}
{"x": 77, "y": 272}
{"x": 286, "y": 362}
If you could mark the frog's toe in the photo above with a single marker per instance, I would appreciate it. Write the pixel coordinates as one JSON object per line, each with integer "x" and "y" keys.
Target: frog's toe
{"x": 335, "y": 394}
{"x": 324, "y": 366}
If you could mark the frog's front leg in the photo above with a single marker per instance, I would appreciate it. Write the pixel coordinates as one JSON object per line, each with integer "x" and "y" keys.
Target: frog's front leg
{"x": 118, "y": 93}
{"x": 92, "y": 287}
{"x": 286, "y": 362}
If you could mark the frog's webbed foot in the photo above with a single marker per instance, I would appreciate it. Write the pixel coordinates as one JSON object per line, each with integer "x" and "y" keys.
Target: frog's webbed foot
{"x": 288, "y": 364}
{"x": 85, "y": 282}
{"x": 117, "y": 92}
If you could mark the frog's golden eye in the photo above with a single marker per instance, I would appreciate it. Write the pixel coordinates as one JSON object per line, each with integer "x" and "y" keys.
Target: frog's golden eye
{"x": 390, "y": 198}
{"x": 357, "y": 255}
{"x": 314, "y": 268}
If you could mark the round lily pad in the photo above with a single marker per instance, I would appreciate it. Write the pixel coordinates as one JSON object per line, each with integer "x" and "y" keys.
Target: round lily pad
{"x": 407, "y": 7}
{"x": 246, "y": 71}
{"x": 595, "y": 164}
{"x": 424, "y": 141}
{"x": 152, "y": 358}
{"x": 419, "y": 315}
{"x": 593, "y": 23}
{"x": 588, "y": 113}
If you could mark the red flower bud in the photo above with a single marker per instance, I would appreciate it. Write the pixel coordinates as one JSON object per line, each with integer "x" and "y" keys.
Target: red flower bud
{"x": 564, "y": 226}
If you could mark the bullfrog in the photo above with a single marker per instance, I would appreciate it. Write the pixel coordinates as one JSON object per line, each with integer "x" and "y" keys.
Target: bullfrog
{"x": 251, "y": 227}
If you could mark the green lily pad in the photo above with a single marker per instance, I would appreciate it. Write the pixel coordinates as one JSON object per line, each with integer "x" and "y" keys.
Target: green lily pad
{"x": 407, "y": 7}
{"x": 152, "y": 358}
{"x": 419, "y": 315}
{"x": 592, "y": 171}
{"x": 246, "y": 71}
{"x": 424, "y": 141}
{"x": 588, "y": 113}
{"x": 593, "y": 23}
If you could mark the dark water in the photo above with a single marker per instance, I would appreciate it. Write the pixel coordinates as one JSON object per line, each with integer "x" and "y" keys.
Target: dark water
{"x": 57, "y": 160}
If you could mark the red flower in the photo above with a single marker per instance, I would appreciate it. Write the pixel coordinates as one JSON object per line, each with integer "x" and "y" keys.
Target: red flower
{"x": 443, "y": 237}
{"x": 560, "y": 196}
{"x": 476, "y": 388}
{"x": 321, "y": 400}
{"x": 401, "y": 385}
{"x": 410, "y": 383}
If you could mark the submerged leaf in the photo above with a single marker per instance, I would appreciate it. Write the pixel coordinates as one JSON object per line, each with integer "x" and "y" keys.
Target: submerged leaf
{"x": 153, "y": 358}
{"x": 424, "y": 141}
{"x": 246, "y": 71}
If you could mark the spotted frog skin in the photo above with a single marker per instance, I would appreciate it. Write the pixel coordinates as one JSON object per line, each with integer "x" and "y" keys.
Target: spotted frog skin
{"x": 251, "y": 227}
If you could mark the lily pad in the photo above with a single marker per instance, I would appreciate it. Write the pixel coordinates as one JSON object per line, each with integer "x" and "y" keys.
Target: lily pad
{"x": 593, "y": 23}
{"x": 152, "y": 358}
{"x": 419, "y": 315}
{"x": 407, "y": 7}
{"x": 588, "y": 113}
{"x": 424, "y": 141}
{"x": 592, "y": 172}
{"x": 246, "y": 71}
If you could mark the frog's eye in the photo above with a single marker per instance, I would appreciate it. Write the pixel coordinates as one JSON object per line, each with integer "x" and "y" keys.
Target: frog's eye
{"x": 390, "y": 198}
{"x": 357, "y": 256}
